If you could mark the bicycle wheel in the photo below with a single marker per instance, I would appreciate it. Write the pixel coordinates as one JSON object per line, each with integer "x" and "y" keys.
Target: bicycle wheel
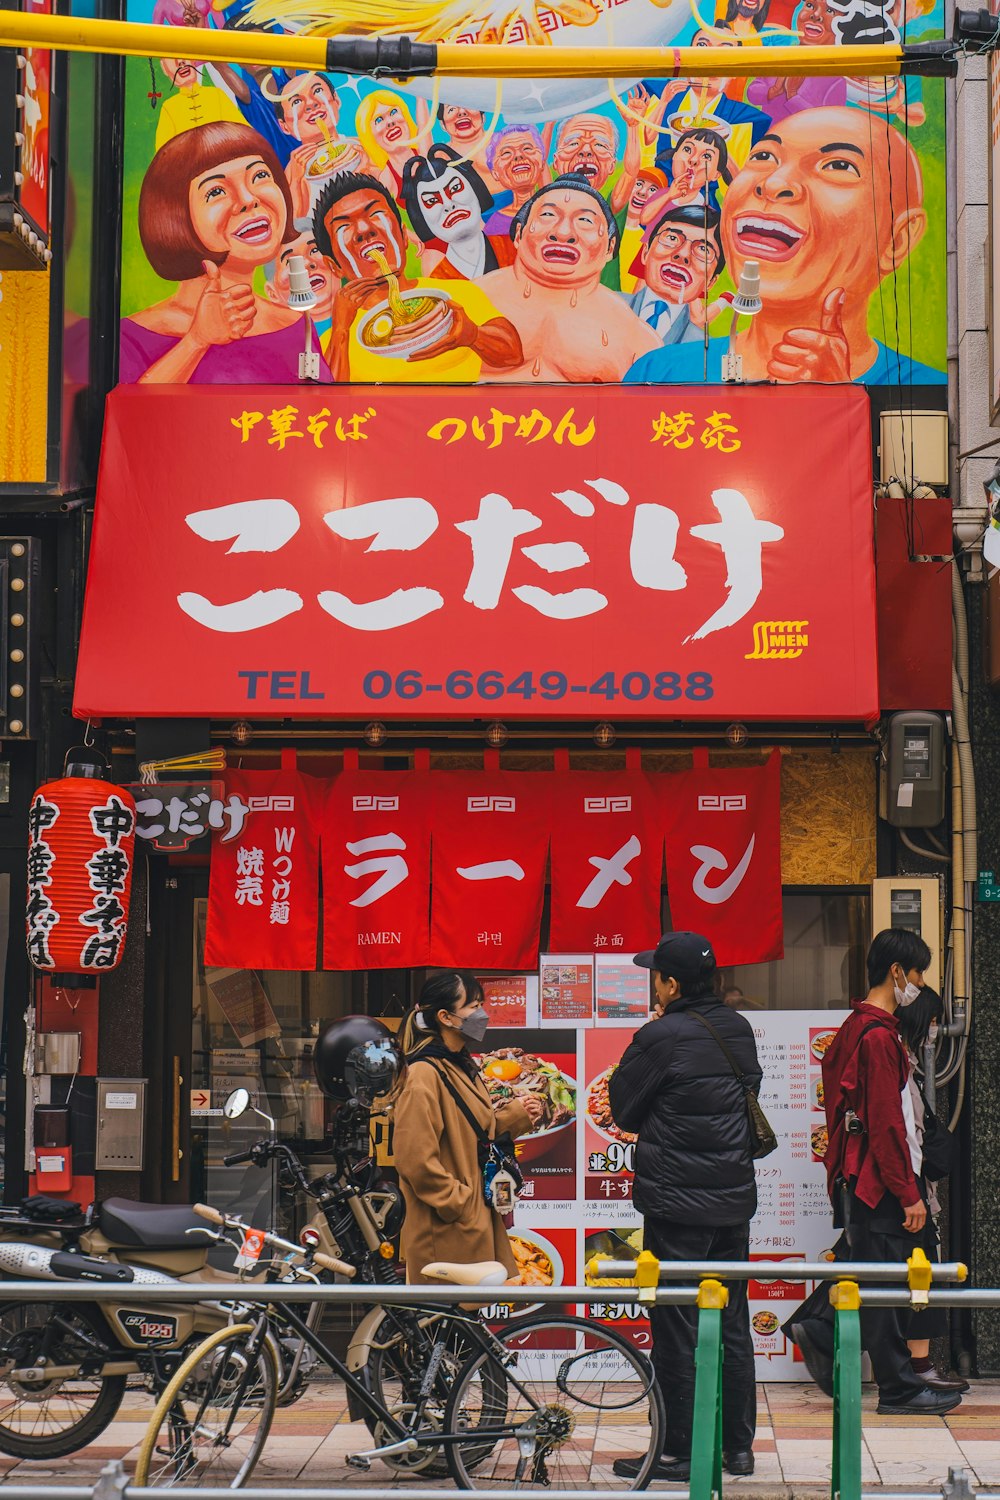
{"x": 401, "y": 1347}
{"x": 213, "y": 1418}
{"x": 48, "y": 1419}
{"x": 552, "y": 1406}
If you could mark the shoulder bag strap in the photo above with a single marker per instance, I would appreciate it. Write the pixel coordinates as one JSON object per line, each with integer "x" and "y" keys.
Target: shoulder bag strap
{"x": 730, "y": 1059}
{"x": 481, "y": 1135}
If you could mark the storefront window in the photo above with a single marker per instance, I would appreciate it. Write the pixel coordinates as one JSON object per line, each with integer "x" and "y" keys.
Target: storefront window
{"x": 826, "y": 937}
{"x": 256, "y": 1030}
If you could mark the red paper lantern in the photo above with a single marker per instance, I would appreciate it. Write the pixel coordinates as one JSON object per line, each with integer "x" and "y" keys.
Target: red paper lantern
{"x": 81, "y": 844}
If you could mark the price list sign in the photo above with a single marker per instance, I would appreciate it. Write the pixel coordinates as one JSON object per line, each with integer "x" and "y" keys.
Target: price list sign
{"x": 623, "y": 991}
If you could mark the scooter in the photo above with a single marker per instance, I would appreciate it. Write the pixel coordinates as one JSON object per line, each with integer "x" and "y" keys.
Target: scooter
{"x": 64, "y": 1367}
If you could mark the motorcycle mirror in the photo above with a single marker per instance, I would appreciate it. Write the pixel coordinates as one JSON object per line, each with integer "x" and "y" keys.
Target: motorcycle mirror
{"x": 237, "y": 1104}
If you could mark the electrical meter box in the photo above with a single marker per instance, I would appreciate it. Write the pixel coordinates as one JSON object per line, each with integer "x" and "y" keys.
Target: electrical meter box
{"x": 121, "y": 1113}
{"x": 912, "y": 783}
{"x": 913, "y": 902}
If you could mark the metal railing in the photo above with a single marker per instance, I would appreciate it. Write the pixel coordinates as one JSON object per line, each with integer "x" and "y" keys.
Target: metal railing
{"x": 112, "y": 1484}
{"x": 910, "y": 1284}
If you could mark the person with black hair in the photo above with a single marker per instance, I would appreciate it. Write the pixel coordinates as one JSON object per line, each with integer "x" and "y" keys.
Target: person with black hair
{"x": 446, "y": 198}
{"x": 874, "y": 1166}
{"x": 358, "y": 226}
{"x": 677, "y": 1089}
{"x": 571, "y": 327}
{"x": 681, "y": 257}
{"x": 747, "y": 17}
{"x": 466, "y": 131}
{"x": 937, "y": 1147}
{"x": 435, "y": 1146}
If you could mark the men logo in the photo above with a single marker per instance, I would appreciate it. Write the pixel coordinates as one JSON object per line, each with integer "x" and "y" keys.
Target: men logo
{"x": 778, "y": 640}
{"x": 376, "y": 804}
{"x": 607, "y": 804}
{"x": 713, "y": 802}
{"x": 491, "y": 804}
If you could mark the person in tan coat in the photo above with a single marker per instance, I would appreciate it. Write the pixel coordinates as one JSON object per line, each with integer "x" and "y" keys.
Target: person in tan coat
{"x": 435, "y": 1147}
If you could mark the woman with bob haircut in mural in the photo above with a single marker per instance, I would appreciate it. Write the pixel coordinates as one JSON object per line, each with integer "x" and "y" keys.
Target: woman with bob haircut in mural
{"x": 213, "y": 208}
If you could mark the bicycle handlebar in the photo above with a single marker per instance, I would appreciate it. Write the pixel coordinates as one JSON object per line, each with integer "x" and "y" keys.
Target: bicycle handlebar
{"x": 205, "y": 1211}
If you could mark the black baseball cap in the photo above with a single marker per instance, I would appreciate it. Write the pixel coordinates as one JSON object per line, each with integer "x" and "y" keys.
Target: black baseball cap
{"x": 684, "y": 955}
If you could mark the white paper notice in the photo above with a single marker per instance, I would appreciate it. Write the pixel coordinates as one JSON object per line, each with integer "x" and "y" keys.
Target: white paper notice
{"x": 794, "y": 1220}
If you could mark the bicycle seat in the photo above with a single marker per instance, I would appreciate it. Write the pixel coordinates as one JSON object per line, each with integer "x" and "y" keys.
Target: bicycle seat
{"x": 475, "y": 1273}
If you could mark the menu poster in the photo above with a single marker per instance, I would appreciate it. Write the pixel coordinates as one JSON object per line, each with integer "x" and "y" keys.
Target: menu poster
{"x": 542, "y": 1067}
{"x": 510, "y": 999}
{"x": 567, "y": 989}
{"x": 608, "y": 1152}
{"x": 623, "y": 991}
{"x": 793, "y": 1220}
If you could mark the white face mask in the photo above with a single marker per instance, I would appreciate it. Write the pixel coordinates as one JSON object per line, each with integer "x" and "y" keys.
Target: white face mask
{"x": 908, "y": 995}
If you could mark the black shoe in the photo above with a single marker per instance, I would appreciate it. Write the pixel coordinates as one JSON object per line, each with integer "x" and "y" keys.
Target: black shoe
{"x": 818, "y": 1362}
{"x": 935, "y": 1381}
{"x": 927, "y": 1403}
{"x": 738, "y": 1462}
{"x": 667, "y": 1468}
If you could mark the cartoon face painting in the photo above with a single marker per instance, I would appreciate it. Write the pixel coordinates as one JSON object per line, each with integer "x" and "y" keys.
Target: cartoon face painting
{"x": 657, "y": 194}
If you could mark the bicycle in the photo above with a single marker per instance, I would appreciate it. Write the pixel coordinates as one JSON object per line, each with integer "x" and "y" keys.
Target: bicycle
{"x": 550, "y": 1401}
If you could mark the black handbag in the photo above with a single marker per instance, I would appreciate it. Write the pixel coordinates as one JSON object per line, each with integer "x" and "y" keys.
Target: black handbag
{"x": 762, "y": 1138}
{"x": 938, "y": 1147}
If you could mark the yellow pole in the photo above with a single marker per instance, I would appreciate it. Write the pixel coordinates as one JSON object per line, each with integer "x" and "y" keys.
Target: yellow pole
{"x": 135, "y": 39}
{"x": 346, "y": 54}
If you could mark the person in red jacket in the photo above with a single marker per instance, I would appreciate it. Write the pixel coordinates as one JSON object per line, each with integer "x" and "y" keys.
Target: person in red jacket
{"x": 874, "y": 1168}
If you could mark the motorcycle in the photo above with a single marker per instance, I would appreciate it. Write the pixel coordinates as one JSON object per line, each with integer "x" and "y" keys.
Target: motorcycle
{"x": 64, "y": 1367}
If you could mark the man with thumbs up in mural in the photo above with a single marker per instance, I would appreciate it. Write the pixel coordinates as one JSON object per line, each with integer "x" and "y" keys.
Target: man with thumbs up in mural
{"x": 828, "y": 208}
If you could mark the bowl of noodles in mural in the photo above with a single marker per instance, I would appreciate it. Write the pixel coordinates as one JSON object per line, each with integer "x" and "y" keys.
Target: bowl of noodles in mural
{"x": 556, "y": 23}
{"x": 333, "y": 157}
{"x": 406, "y": 323}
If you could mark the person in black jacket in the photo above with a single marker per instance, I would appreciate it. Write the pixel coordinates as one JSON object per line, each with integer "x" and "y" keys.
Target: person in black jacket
{"x": 694, "y": 1181}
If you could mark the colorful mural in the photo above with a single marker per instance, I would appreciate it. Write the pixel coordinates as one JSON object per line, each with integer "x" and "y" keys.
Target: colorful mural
{"x": 552, "y": 230}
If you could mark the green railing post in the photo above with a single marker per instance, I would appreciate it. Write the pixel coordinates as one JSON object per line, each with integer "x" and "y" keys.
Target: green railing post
{"x": 706, "y": 1432}
{"x": 845, "y": 1476}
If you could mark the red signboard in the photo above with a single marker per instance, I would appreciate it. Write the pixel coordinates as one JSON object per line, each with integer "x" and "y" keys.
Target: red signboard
{"x": 668, "y": 552}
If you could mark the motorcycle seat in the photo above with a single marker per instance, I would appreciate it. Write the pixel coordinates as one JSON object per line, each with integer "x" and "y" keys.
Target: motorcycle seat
{"x": 151, "y": 1226}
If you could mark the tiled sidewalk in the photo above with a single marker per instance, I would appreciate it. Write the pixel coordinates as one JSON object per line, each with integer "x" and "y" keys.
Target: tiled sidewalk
{"x": 310, "y": 1441}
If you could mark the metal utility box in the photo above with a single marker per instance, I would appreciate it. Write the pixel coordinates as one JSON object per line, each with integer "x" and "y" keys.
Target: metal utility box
{"x": 913, "y": 902}
{"x": 121, "y": 1121}
{"x": 912, "y": 783}
{"x": 913, "y": 445}
{"x": 57, "y": 1052}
